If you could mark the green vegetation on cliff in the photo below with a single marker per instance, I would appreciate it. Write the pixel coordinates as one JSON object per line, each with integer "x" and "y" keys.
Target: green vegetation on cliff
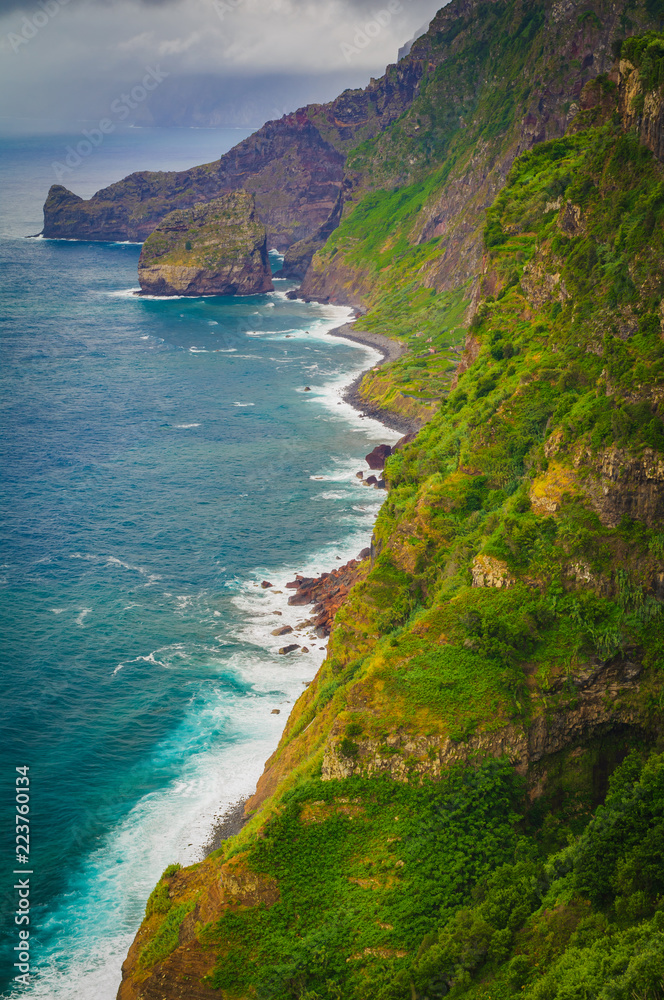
{"x": 215, "y": 248}
{"x": 468, "y": 801}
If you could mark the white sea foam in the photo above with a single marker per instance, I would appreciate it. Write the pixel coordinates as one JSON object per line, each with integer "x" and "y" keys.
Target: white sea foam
{"x": 213, "y": 771}
{"x": 244, "y": 404}
{"x": 185, "y": 427}
{"x": 115, "y": 562}
{"x": 170, "y": 824}
{"x": 124, "y": 293}
{"x": 198, "y": 350}
{"x": 83, "y": 615}
{"x": 330, "y": 496}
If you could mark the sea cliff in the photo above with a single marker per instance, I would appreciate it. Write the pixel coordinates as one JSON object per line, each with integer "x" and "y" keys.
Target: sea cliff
{"x": 215, "y": 248}
{"x": 467, "y": 800}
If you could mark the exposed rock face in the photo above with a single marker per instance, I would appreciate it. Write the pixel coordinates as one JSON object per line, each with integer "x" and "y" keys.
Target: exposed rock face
{"x": 629, "y": 485}
{"x": 294, "y": 167}
{"x": 327, "y": 592}
{"x": 598, "y": 700}
{"x": 218, "y": 248}
{"x": 561, "y": 54}
{"x": 377, "y": 458}
{"x": 642, "y": 111}
{"x": 211, "y": 889}
{"x": 490, "y": 572}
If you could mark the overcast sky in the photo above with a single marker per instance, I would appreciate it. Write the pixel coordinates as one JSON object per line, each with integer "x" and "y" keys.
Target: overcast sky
{"x": 69, "y": 59}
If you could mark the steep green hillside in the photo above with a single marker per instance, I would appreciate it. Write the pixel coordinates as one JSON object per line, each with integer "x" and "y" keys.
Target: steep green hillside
{"x": 435, "y": 821}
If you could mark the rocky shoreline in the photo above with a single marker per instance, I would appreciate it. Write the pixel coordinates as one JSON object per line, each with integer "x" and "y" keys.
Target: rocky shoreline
{"x": 391, "y": 350}
{"x": 227, "y": 825}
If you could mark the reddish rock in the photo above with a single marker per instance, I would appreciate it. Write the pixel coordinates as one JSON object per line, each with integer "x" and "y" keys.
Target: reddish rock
{"x": 265, "y": 584}
{"x": 406, "y": 439}
{"x": 377, "y": 458}
{"x": 327, "y": 593}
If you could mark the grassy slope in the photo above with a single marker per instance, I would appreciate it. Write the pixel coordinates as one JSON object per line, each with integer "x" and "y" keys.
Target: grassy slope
{"x": 462, "y": 885}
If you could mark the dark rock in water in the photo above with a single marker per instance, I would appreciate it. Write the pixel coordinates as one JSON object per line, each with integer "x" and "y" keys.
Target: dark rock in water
{"x": 359, "y": 475}
{"x": 284, "y": 630}
{"x": 219, "y": 248}
{"x": 371, "y": 481}
{"x": 305, "y": 649}
{"x": 275, "y": 711}
{"x": 292, "y": 295}
{"x": 288, "y": 649}
{"x": 307, "y": 388}
{"x": 380, "y": 485}
{"x": 365, "y": 553}
{"x": 265, "y": 584}
{"x": 377, "y": 458}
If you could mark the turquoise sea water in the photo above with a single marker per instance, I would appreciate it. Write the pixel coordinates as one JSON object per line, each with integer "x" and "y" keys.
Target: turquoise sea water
{"x": 159, "y": 459}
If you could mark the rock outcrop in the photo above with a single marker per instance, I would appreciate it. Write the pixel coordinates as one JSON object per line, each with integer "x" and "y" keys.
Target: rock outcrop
{"x": 327, "y": 592}
{"x": 217, "y": 248}
{"x": 293, "y": 166}
{"x": 596, "y": 699}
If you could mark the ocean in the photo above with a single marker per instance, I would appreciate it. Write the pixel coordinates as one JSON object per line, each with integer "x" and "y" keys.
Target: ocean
{"x": 160, "y": 458}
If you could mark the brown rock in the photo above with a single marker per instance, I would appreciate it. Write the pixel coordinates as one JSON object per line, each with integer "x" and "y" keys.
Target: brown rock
{"x": 406, "y": 439}
{"x": 284, "y": 630}
{"x": 217, "y": 248}
{"x": 377, "y": 458}
{"x": 288, "y": 649}
{"x": 265, "y": 584}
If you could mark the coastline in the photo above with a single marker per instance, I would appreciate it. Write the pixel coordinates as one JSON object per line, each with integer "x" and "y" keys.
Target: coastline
{"x": 228, "y": 823}
{"x": 391, "y": 350}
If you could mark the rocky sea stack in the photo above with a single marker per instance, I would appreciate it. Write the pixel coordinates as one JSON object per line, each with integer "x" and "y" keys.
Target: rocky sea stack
{"x": 218, "y": 248}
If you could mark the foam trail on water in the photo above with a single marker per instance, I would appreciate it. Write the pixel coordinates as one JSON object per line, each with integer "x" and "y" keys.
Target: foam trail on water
{"x": 165, "y": 826}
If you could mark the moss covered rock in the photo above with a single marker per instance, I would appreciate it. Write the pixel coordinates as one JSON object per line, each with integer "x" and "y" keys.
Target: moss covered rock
{"x": 218, "y": 248}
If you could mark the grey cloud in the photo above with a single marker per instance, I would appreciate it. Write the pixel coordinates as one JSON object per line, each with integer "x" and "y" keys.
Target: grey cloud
{"x": 79, "y": 60}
